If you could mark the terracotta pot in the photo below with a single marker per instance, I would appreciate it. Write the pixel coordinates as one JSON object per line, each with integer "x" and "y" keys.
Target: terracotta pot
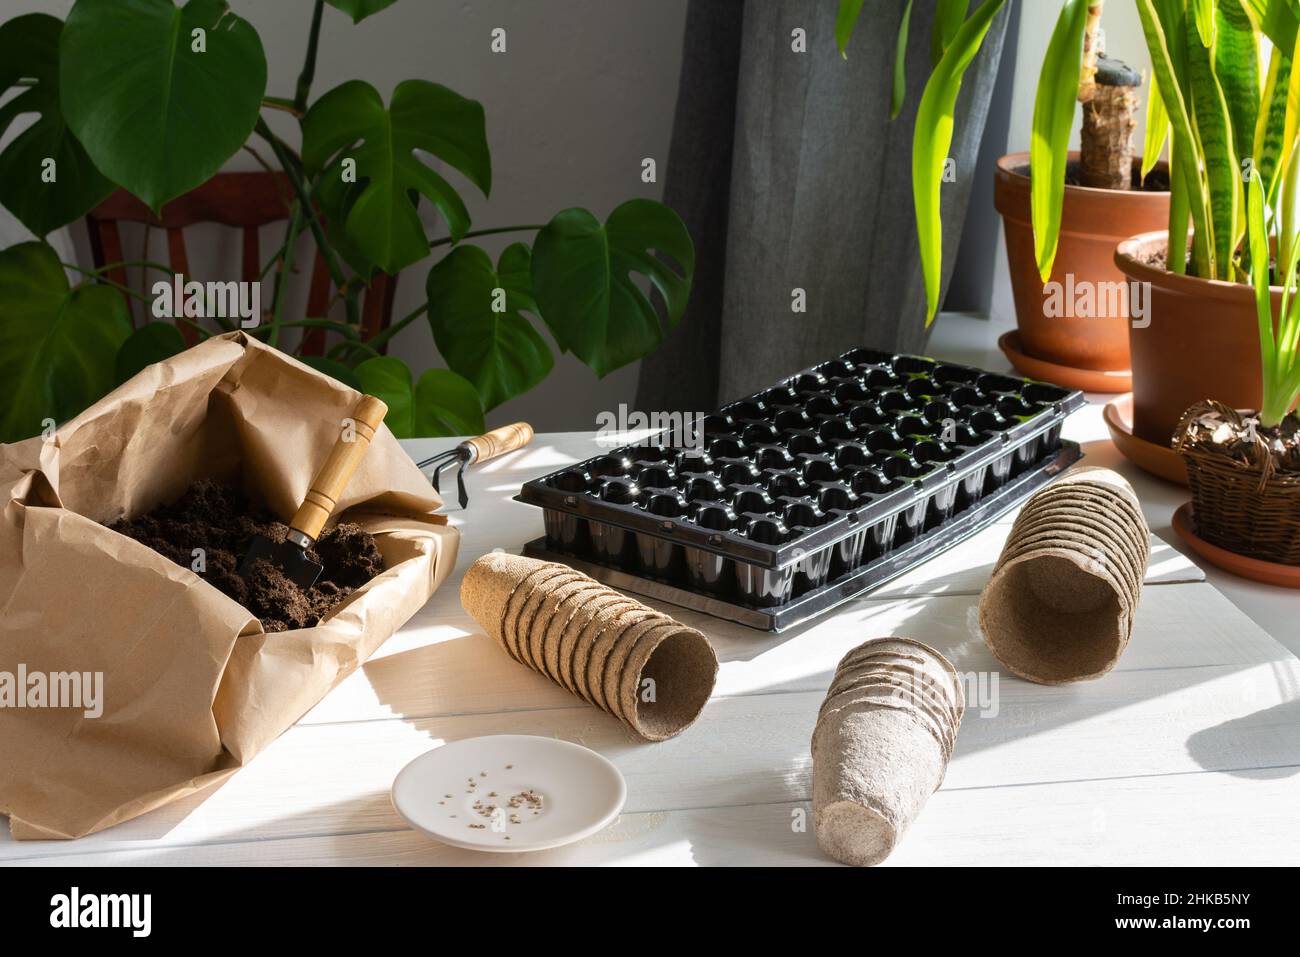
{"x": 1201, "y": 341}
{"x": 1093, "y": 222}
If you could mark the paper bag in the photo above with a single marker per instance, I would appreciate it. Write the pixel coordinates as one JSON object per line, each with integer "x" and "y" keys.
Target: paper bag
{"x": 192, "y": 687}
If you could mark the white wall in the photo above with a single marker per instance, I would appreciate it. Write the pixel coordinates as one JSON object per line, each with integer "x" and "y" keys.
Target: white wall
{"x": 585, "y": 90}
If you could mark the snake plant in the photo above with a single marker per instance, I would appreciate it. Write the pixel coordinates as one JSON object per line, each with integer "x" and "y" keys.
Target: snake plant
{"x": 1227, "y": 109}
{"x": 1279, "y": 341}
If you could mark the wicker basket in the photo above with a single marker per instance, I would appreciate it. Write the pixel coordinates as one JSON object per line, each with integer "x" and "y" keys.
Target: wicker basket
{"x": 1242, "y": 502}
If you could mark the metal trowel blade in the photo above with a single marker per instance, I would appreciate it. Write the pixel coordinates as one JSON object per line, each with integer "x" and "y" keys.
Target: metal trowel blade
{"x": 288, "y": 557}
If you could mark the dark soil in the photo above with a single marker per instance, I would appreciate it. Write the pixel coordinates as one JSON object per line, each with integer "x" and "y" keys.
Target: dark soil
{"x": 1159, "y": 259}
{"x": 220, "y": 520}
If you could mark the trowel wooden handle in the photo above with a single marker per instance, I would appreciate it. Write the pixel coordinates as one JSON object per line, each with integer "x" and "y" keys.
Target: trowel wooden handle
{"x": 500, "y": 441}
{"x": 334, "y": 475}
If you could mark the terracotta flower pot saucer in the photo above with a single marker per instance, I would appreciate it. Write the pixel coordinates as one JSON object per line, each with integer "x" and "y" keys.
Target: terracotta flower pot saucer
{"x": 1089, "y": 380}
{"x": 1159, "y": 460}
{"x": 1270, "y": 573}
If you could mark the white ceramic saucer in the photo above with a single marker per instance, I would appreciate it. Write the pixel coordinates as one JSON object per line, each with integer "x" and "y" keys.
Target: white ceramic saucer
{"x": 545, "y": 793}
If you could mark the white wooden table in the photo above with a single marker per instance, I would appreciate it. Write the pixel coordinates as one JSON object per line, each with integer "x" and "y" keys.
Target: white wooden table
{"x": 1188, "y": 753}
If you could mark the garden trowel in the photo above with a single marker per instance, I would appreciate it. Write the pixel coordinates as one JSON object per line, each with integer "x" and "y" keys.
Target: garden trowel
{"x": 290, "y": 556}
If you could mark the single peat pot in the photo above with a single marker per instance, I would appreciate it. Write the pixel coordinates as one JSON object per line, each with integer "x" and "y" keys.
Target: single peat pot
{"x": 1201, "y": 341}
{"x": 1084, "y": 351}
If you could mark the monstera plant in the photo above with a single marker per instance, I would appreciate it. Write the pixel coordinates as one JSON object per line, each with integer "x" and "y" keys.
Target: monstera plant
{"x": 155, "y": 97}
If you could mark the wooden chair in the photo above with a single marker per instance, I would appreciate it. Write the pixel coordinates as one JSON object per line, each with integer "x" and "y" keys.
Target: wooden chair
{"x": 244, "y": 201}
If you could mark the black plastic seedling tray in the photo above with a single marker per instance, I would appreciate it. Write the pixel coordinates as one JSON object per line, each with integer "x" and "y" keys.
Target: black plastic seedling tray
{"x": 816, "y": 490}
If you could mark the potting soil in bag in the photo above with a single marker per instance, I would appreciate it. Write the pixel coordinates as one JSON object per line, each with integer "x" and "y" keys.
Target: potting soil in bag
{"x": 190, "y": 685}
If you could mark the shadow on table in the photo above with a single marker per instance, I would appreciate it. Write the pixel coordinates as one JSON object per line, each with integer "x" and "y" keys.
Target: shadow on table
{"x": 770, "y": 834}
{"x": 1272, "y": 730}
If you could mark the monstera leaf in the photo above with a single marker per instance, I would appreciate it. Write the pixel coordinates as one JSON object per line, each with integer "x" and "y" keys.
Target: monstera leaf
{"x": 583, "y": 280}
{"x": 57, "y": 345}
{"x": 440, "y": 403}
{"x": 152, "y": 342}
{"x": 160, "y": 96}
{"x": 378, "y": 213}
{"x": 29, "y": 48}
{"x": 358, "y": 10}
{"x": 334, "y": 369}
{"x": 477, "y": 317}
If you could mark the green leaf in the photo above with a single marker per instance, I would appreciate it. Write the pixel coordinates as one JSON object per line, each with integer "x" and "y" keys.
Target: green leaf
{"x": 1259, "y": 268}
{"x": 1278, "y": 20}
{"x": 1172, "y": 15}
{"x": 1203, "y": 11}
{"x": 57, "y": 345}
{"x": 1058, "y": 89}
{"x": 1185, "y": 148}
{"x": 29, "y": 48}
{"x": 379, "y": 213}
{"x": 156, "y": 116}
{"x": 358, "y": 10}
{"x": 1236, "y": 63}
{"x": 949, "y": 15}
{"x": 447, "y": 404}
{"x": 441, "y": 403}
{"x": 845, "y": 18}
{"x": 933, "y": 138}
{"x": 333, "y": 369}
{"x": 899, "y": 91}
{"x": 389, "y": 379}
{"x": 1179, "y": 213}
{"x": 1287, "y": 219}
{"x": 1270, "y": 125}
{"x": 152, "y": 342}
{"x": 1290, "y": 126}
{"x": 583, "y": 280}
{"x": 476, "y": 313}
{"x": 1157, "y": 128}
{"x": 1221, "y": 172}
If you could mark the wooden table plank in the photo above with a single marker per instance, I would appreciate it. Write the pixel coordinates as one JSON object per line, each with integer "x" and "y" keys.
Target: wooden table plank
{"x": 1186, "y": 820}
{"x": 450, "y": 667}
{"x": 752, "y": 747}
{"x": 1199, "y": 716}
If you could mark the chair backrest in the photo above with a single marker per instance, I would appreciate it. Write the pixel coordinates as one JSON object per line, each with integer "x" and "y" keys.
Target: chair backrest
{"x": 246, "y": 201}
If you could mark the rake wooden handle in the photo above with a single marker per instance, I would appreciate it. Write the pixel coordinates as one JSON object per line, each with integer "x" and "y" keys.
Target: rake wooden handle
{"x": 500, "y": 441}
{"x": 319, "y": 502}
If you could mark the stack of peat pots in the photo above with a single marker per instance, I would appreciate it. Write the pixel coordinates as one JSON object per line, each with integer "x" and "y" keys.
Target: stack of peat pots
{"x": 638, "y": 664}
{"x": 881, "y": 746}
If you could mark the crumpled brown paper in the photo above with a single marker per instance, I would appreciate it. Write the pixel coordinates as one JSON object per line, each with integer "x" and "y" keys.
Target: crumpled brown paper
{"x": 192, "y": 687}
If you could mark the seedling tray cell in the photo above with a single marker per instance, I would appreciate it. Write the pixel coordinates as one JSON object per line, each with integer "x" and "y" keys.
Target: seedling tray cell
{"x": 810, "y": 492}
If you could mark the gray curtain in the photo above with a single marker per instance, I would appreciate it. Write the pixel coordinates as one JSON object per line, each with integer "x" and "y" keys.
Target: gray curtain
{"x": 789, "y": 173}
